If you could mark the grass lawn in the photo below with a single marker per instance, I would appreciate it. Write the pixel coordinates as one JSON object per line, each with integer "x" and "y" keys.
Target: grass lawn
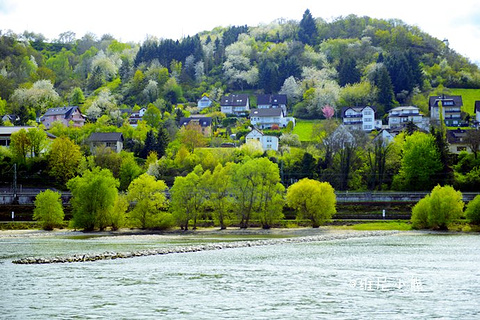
{"x": 387, "y": 225}
{"x": 304, "y": 129}
{"x": 469, "y": 96}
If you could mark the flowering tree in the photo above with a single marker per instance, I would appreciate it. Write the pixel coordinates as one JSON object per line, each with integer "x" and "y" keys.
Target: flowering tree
{"x": 328, "y": 112}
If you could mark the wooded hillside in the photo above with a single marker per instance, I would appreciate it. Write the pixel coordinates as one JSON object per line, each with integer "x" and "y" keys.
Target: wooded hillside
{"x": 349, "y": 61}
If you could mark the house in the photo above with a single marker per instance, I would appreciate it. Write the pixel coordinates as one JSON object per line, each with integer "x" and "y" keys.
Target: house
{"x": 198, "y": 123}
{"x": 456, "y": 141}
{"x": 267, "y": 142}
{"x": 204, "y": 102}
{"x": 267, "y": 101}
{"x": 236, "y": 104}
{"x": 385, "y": 136}
{"x": 136, "y": 116}
{"x": 399, "y": 117}
{"x": 451, "y": 109}
{"x": 10, "y": 118}
{"x": 266, "y": 118}
{"x": 6, "y": 134}
{"x": 362, "y": 118}
{"x": 342, "y": 136}
{"x": 112, "y": 140}
{"x": 64, "y": 115}
{"x": 477, "y": 113}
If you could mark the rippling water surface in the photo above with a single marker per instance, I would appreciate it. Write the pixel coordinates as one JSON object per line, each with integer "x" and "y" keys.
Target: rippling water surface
{"x": 393, "y": 277}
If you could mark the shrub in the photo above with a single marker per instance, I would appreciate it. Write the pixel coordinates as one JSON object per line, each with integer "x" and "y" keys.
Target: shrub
{"x": 473, "y": 211}
{"x": 439, "y": 209}
{"x": 48, "y": 209}
{"x": 420, "y": 213}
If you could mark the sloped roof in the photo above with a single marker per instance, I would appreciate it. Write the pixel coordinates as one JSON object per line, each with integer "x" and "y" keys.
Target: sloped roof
{"x": 357, "y": 109}
{"x": 433, "y": 100}
{"x": 456, "y": 136}
{"x": 270, "y": 112}
{"x": 203, "y": 121}
{"x": 65, "y": 111}
{"x": 271, "y": 99}
{"x": 255, "y": 129}
{"x": 235, "y": 100}
{"x": 9, "y": 130}
{"x": 105, "y": 137}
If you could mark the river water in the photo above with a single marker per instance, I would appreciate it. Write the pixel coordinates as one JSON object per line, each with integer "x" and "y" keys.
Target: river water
{"x": 401, "y": 276}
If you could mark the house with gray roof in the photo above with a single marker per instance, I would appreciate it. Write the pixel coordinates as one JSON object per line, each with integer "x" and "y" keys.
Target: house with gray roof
{"x": 236, "y": 104}
{"x": 267, "y": 101}
{"x": 6, "y": 134}
{"x": 361, "y": 118}
{"x": 451, "y": 107}
{"x": 267, "y": 142}
{"x": 204, "y": 102}
{"x": 66, "y": 115}
{"x": 198, "y": 123}
{"x": 112, "y": 140}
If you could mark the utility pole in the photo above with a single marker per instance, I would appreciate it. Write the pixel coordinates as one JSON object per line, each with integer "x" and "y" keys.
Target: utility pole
{"x": 14, "y": 183}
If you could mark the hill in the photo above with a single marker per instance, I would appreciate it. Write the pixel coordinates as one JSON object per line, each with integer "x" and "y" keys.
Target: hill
{"x": 349, "y": 61}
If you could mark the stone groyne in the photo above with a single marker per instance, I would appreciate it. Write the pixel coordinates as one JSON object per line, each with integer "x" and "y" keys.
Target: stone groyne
{"x": 200, "y": 247}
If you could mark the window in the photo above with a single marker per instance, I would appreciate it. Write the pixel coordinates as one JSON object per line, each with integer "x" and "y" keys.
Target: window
{"x": 367, "y": 127}
{"x": 462, "y": 148}
{"x": 367, "y": 113}
{"x": 368, "y": 120}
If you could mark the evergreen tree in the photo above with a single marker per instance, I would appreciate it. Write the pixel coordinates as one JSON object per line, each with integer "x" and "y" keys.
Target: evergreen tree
{"x": 268, "y": 77}
{"x": 161, "y": 142}
{"x": 307, "y": 32}
{"x": 348, "y": 72}
{"x": 445, "y": 176}
{"x": 308, "y": 165}
{"x": 289, "y": 67}
{"x": 386, "y": 97}
{"x": 150, "y": 143}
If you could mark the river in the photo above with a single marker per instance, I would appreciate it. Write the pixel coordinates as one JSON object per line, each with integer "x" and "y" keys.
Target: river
{"x": 401, "y": 276}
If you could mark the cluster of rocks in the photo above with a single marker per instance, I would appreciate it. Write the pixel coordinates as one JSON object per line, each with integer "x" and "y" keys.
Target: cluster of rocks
{"x": 200, "y": 247}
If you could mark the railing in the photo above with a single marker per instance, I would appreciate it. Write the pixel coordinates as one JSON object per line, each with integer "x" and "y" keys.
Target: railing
{"x": 342, "y": 197}
{"x": 387, "y": 196}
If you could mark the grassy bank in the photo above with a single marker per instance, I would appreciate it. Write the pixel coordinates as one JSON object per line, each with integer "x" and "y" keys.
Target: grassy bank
{"x": 400, "y": 225}
{"x": 469, "y": 96}
{"x": 304, "y": 129}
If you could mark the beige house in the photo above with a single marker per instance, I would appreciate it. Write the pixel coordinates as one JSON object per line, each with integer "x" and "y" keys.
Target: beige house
{"x": 200, "y": 124}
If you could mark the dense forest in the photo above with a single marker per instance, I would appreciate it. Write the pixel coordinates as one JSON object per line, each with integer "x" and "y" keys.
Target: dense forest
{"x": 348, "y": 61}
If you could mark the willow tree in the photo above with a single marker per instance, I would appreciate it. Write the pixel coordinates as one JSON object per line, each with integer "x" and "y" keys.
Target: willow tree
{"x": 93, "y": 198}
{"x": 257, "y": 192}
{"x": 438, "y": 209}
{"x": 313, "y": 200}
{"x": 64, "y": 159}
{"x": 148, "y": 195}
{"x": 48, "y": 209}
{"x": 187, "y": 198}
{"x": 218, "y": 192}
